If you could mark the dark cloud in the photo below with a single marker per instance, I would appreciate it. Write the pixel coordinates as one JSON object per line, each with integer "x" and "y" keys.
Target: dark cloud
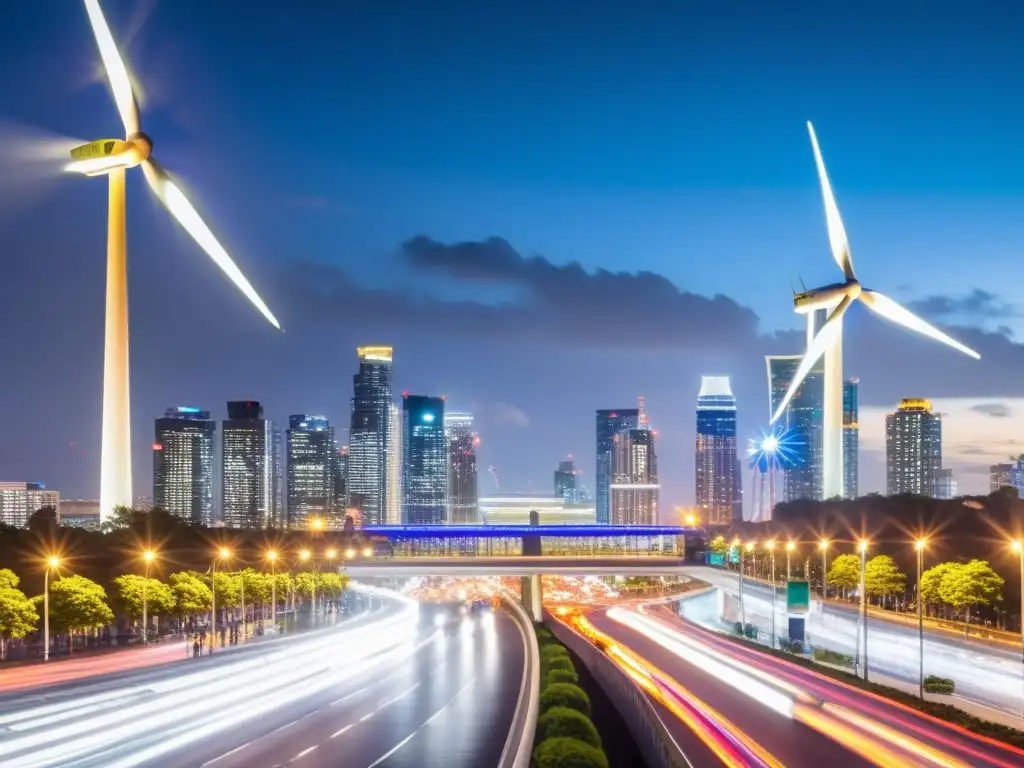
{"x": 995, "y": 410}
{"x": 977, "y": 303}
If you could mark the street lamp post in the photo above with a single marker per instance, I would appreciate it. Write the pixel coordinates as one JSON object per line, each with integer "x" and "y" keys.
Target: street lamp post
{"x": 51, "y": 562}
{"x": 749, "y": 548}
{"x": 272, "y": 557}
{"x": 304, "y": 556}
{"x": 224, "y": 553}
{"x": 739, "y": 550}
{"x": 331, "y": 553}
{"x": 919, "y": 545}
{"x": 1018, "y": 546}
{"x": 790, "y": 546}
{"x": 862, "y": 547}
{"x": 147, "y": 557}
{"x": 770, "y": 546}
{"x": 823, "y": 546}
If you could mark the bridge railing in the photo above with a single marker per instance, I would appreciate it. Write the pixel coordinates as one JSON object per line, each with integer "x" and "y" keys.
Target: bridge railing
{"x": 519, "y": 744}
{"x": 649, "y": 732}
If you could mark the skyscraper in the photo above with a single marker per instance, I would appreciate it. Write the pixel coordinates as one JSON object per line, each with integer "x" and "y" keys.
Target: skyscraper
{"x": 945, "y": 484}
{"x": 183, "y": 464}
{"x": 424, "y": 461}
{"x": 463, "y": 499}
{"x": 851, "y": 439}
{"x": 395, "y": 495}
{"x": 369, "y": 434}
{"x": 609, "y": 424}
{"x": 633, "y": 493}
{"x": 339, "y": 471}
{"x": 1000, "y": 476}
{"x": 246, "y": 466}
{"x": 567, "y": 487}
{"x": 19, "y": 501}
{"x": 803, "y": 421}
{"x": 278, "y": 485}
{"x": 718, "y": 481}
{"x": 913, "y": 448}
{"x": 311, "y": 453}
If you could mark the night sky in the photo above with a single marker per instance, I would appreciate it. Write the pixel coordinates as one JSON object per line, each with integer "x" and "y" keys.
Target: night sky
{"x": 545, "y": 210}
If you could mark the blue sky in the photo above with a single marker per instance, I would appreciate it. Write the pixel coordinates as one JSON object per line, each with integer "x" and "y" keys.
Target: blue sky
{"x": 658, "y": 138}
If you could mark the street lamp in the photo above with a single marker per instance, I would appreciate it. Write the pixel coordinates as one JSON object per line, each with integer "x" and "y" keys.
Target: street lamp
{"x": 770, "y": 546}
{"x": 919, "y": 545}
{"x": 862, "y": 547}
{"x": 743, "y": 615}
{"x": 823, "y": 546}
{"x": 272, "y": 557}
{"x": 690, "y": 520}
{"x": 147, "y": 557}
{"x": 350, "y": 553}
{"x": 367, "y": 552}
{"x": 316, "y": 524}
{"x": 790, "y": 546}
{"x": 222, "y": 554}
{"x": 51, "y": 562}
{"x": 1018, "y": 546}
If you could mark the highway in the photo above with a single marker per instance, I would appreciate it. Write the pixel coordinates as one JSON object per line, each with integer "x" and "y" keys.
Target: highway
{"x": 798, "y": 717}
{"x": 546, "y": 565}
{"x": 395, "y": 685}
{"x": 984, "y": 673}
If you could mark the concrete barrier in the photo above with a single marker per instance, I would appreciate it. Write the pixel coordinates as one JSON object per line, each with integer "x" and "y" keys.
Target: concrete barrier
{"x": 519, "y": 744}
{"x": 656, "y": 744}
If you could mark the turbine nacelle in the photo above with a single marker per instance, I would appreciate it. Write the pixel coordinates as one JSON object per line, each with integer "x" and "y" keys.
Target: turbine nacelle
{"x": 105, "y": 155}
{"x": 825, "y": 297}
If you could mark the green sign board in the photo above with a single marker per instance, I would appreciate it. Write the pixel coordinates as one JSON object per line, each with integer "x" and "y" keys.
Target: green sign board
{"x": 798, "y": 596}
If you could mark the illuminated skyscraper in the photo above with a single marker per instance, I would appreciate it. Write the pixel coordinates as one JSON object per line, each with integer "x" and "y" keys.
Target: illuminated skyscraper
{"x": 339, "y": 471}
{"x": 424, "y": 461}
{"x": 913, "y": 449}
{"x": 246, "y": 466}
{"x": 311, "y": 458}
{"x": 804, "y": 420}
{"x": 567, "y": 487}
{"x": 369, "y": 435}
{"x": 634, "y": 487}
{"x": 278, "y": 484}
{"x": 609, "y": 424}
{"x": 463, "y": 500}
{"x": 395, "y": 496}
{"x": 851, "y": 439}
{"x": 719, "y": 487}
{"x": 1000, "y": 476}
{"x": 945, "y": 484}
{"x": 19, "y": 501}
{"x": 183, "y": 464}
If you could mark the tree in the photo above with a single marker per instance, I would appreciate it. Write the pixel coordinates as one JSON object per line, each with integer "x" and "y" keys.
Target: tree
{"x": 970, "y": 584}
{"x": 718, "y": 544}
{"x": 160, "y": 599}
{"x": 845, "y": 572}
{"x": 77, "y": 604}
{"x": 191, "y": 593}
{"x": 931, "y": 581}
{"x": 332, "y": 584}
{"x": 882, "y": 578}
{"x": 18, "y": 615}
{"x": 229, "y": 589}
{"x": 306, "y": 582}
{"x": 257, "y": 585}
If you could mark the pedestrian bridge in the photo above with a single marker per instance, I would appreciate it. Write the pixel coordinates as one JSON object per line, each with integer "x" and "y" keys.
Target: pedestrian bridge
{"x": 523, "y": 565}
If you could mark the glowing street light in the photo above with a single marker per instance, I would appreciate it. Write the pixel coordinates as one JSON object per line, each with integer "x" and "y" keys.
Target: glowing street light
{"x": 790, "y": 546}
{"x": 350, "y": 553}
{"x": 919, "y": 545}
{"x": 223, "y": 553}
{"x": 148, "y": 556}
{"x": 823, "y": 546}
{"x": 52, "y": 562}
{"x": 316, "y": 524}
{"x": 367, "y": 552}
{"x": 304, "y": 555}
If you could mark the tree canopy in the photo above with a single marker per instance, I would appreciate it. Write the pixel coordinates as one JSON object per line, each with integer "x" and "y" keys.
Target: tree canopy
{"x": 882, "y": 578}
{"x": 931, "y": 580}
{"x": 191, "y": 593}
{"x": 159, "y": 597}
{"x": 18, "y": 616}
{"x": 77, "y": 603}
{"x": 970, "y": 584}
{"x": 845, "y": 572}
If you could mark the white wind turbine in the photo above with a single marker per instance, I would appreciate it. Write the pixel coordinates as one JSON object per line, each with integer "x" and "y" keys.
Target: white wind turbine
{"x": 111, "y": 157}
{"x": 828, "y": 340}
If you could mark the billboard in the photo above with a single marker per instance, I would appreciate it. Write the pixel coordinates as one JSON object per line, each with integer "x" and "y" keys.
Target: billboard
{"x": 798, "y": 596}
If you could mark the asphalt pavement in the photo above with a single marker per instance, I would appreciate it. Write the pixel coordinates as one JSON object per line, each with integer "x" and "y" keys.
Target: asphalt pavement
{"x": 392, "y": 686}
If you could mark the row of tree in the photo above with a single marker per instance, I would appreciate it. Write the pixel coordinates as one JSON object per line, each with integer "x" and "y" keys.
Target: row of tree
{"x": 79, "y": 604}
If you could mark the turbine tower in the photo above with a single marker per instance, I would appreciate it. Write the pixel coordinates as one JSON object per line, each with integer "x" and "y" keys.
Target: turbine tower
{"x": 828, "y": 340}
{"x": 110, "y": 158}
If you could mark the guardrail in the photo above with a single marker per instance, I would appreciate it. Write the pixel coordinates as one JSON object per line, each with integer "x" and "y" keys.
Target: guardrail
{"x": 519, "y": 745}
{"x": 653, "y": 738}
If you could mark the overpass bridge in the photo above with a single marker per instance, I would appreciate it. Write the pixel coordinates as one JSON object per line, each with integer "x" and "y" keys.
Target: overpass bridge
{"x": 524, "y": 565}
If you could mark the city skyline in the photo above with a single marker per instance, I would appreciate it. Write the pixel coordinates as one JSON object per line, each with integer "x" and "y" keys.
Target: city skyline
{"x": 430, "y": 239}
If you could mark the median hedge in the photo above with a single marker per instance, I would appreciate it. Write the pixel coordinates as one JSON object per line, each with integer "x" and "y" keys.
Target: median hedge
{"x": 565, "y": 737}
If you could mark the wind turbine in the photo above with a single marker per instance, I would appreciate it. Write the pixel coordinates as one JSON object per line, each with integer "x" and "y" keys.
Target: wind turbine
{"x": 110, "y": 158}
{"x": 828, "y": 340}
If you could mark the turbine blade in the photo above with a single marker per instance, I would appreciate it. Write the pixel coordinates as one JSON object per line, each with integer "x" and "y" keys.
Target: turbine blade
{"x": 826, "y": 335}
{"x": 892, "y": 311}
{"x": 836, "y": 232}
{"x": 182, "y": 210}
{"x": 114, "y": 66}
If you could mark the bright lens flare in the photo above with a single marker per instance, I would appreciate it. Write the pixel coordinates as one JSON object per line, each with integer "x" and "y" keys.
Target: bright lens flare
{"x": 113, "y": 64}
{"x": 182, "y": 210}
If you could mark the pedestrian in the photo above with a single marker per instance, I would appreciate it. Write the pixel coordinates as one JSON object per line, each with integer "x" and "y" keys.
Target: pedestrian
{"x": 195, "y": 649}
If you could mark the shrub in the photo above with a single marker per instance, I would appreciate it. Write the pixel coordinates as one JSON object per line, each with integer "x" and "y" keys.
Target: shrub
{"x": 553, "y": 650}
{"x": 561, "y": 721}
{"x": 565, "y": 695}
{"x": 564, "y": 752}
{"x": 560, "y": 662}
{"x": 832, "y": 657}
{"x": 936, "y": 684}
{"x": 561, "y": 676}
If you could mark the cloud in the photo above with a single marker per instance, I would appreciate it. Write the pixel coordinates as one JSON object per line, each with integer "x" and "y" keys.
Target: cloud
{"x": 978, "y": 304}
{"x": 503, "y": 415}
{"x": 995, "y": 410}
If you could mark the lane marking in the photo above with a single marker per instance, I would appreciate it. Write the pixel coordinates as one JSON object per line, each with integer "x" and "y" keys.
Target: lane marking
{"x": 426, "y": 723}
{"x": 343, "y": 730}
{"x": 303, "y": 753}
{"x": 226, "y": 754}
